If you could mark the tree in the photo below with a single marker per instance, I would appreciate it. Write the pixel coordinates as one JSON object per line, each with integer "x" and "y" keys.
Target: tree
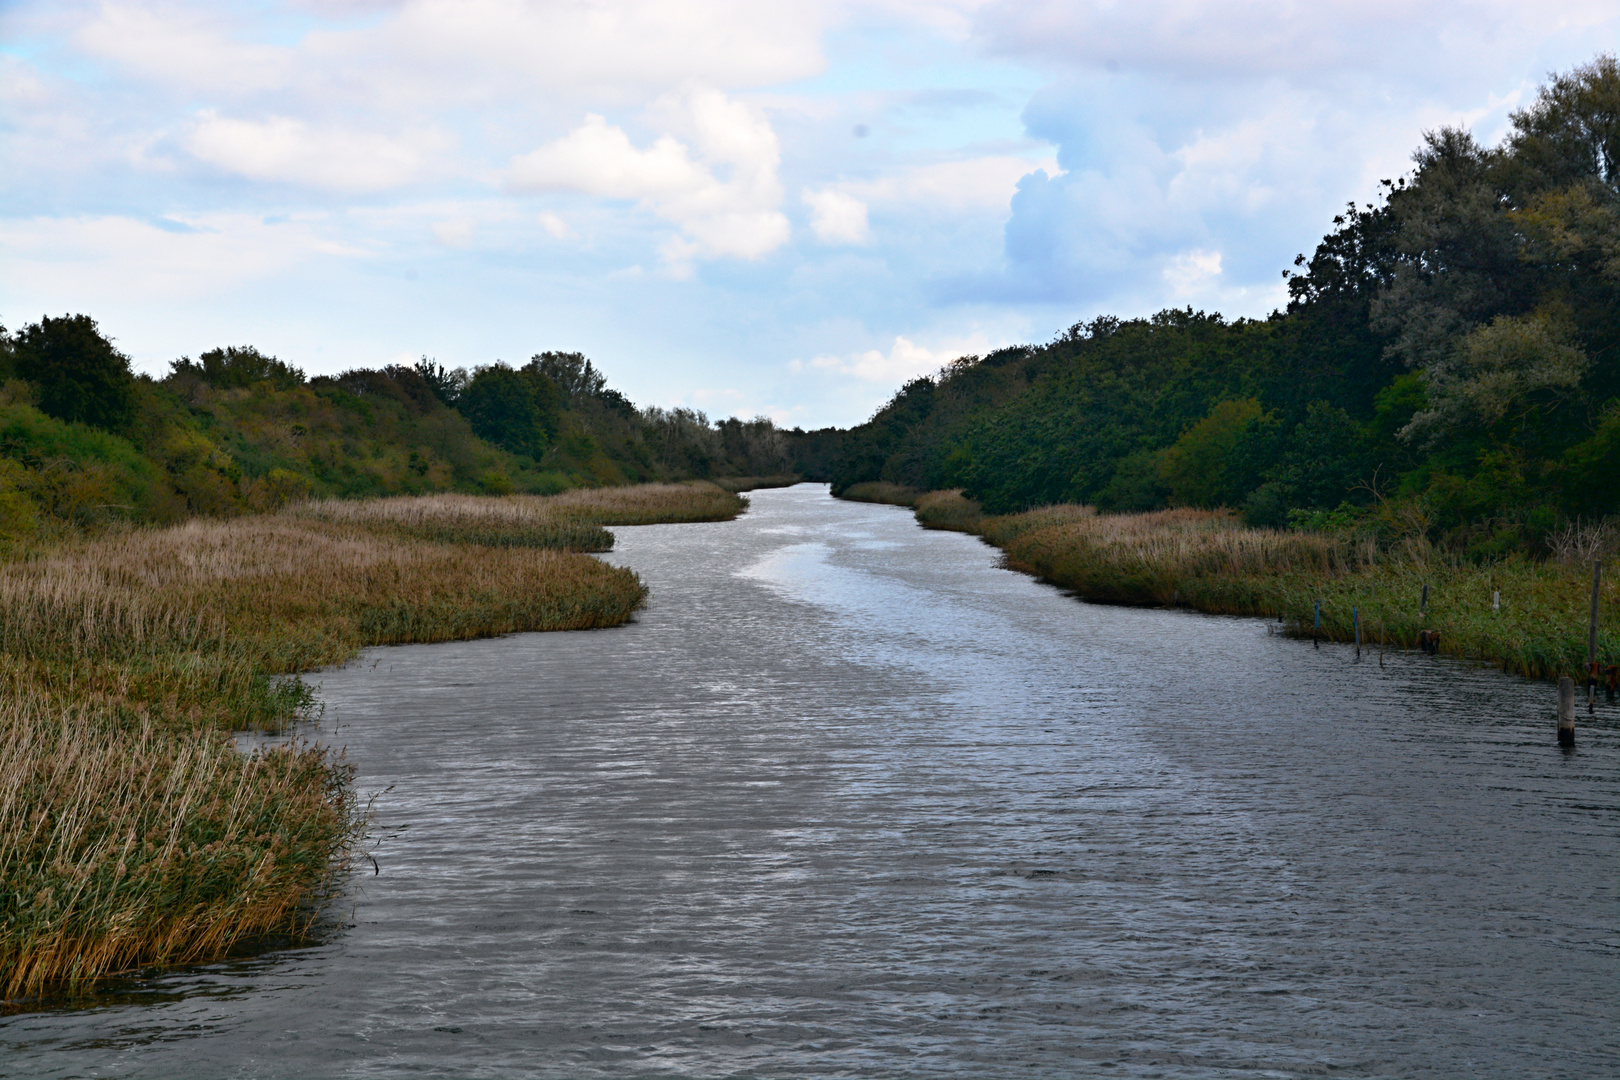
{"x": 1571, "y": 133}
{"x": 573, "y": 374}
{"x": 237, "y": 367}
{"x": 446, "y": 385}
{"x": 515, "y": 410}
{"x": 1514, "y": 368}
{"x": 1211, "y": 463}
{"x": 77, "y": 373}
{"x": 682, "y": 438}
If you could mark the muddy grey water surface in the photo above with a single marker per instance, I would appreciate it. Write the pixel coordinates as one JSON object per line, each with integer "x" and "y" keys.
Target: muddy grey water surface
{"x": 849, "y": 799}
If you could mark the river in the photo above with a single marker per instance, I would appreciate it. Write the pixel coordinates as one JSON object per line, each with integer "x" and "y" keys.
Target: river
{"x": 848, "y": 798}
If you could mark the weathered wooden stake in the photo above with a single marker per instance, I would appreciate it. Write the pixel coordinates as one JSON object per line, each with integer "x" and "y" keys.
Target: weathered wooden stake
{"x": 1566, "y": 711}
{"x": 1316, "y": 630}
{"x": 1355, "y": 617}
{"x": 1591, "y": 639}
{"x": 1496, "y": 600}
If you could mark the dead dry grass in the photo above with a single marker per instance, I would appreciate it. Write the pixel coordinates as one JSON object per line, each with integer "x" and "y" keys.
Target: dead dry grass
{"x": 1146, "y": 558}
{"x": 573, "y": 521}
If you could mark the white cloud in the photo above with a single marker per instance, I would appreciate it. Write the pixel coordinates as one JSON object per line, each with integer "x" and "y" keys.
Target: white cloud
{"x": 556, "y": 226}
{"x": 20, "y": 86}
{"x": 1256, "y": 39}
{"x": 285, "y": 150}
{"x": 456, "y": 233}
{"x": 839, "y": 218}
{"x": 599, "y": 159}
{"x": 108, "y": 260}
{"x": 183, "y": 48}
{"x": 721, "y": 188}
{"x": 614, "y": 49}
{"x": 974, "y": 183}
{"x": 479, "y": 52}
{"x": 1192, "y": 272}
{"x": 905, "y": 359}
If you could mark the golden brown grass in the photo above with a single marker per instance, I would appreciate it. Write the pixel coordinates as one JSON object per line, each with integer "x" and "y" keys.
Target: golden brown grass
{"x": 755, "y": 483}
{"x": 133, "y": 845}
{"x": 1152, "y": 557}
{"x": 881, "y": 491}
{"x": 132, "y": 832}
{"x": 573, "y": 520}
{"x": 651, "y": 504}
{"x": 1207, "y": 560}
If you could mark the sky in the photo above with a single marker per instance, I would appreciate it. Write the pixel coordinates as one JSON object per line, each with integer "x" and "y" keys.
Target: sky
{"x": 783, "y": 209}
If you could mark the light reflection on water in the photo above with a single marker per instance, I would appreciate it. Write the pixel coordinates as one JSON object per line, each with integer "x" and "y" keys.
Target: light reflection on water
{"x": 849, "y": 799}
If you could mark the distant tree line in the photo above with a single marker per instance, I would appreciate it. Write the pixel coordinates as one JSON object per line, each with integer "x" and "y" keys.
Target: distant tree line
{"x": 1447, "y": 364}
{"x": 83, "y": 439}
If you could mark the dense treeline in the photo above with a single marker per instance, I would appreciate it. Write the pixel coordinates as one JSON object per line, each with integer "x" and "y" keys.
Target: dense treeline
{"x": 1446, "y": 367}
{"x": 84, "y": 441}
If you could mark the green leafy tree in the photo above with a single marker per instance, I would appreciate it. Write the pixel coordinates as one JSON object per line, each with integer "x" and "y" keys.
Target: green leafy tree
{"x": 1571, "y": 133}
{"x": 76, "y": 372}
{"x": 515, "y": 410}
{"x": 571, "y": 371}
{"x": 1511, "y": 370}
{"x": 446, "y": 385}
{"x": 1212, "y": 463}
{"x": 237, "y": 367}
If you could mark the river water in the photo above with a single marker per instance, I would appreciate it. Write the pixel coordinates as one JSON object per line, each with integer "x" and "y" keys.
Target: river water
{"x": 850, "y": 799}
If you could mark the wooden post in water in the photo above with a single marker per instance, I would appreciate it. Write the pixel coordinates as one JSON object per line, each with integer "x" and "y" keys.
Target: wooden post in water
{"x": 1355, "y": 617}
{"x": 1316, "y": 630}
{"x": 1591, "y": 639}
{"x": 1566, "y": 711}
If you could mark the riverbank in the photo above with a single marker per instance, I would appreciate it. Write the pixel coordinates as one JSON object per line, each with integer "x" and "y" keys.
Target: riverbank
{"x": 132, "y": 832}
{"x": 1207, "y": 561}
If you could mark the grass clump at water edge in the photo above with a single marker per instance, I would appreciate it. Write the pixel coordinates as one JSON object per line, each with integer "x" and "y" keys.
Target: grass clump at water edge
{"x": 127, "y": 846}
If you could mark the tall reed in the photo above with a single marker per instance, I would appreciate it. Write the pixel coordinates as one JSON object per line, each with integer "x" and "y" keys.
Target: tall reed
{"x": 124, "y": 845}
{"x": 132, "y": 832}
{"x": 1206, "y": 560}
{"x": 572, "y": 521}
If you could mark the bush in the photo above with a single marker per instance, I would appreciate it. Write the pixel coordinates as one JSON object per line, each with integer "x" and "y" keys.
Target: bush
{"x": 77, "y": 373}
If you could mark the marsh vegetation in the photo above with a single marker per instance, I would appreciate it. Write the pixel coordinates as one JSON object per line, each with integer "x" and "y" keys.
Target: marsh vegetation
{"x": 132, "y": 831}
{"x": 1529, "y": 616}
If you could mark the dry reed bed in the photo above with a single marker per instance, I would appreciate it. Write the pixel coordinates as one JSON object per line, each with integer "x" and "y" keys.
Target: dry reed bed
{"x": 132, "y": 846}
{"x": 1206, "y": 560}
{"x": 573, "y": 520}
{"x": 131, "y": 830}
{"x": 281, "y": 595}
{"x": 881, "y": 491}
